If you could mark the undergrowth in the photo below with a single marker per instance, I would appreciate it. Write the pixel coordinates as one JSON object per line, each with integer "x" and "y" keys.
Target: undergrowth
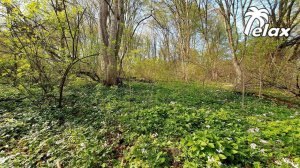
{"x": 148, "y": 125}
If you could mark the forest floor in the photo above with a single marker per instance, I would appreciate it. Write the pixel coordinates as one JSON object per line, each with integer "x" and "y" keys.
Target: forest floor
{"x": 147, "y": 125}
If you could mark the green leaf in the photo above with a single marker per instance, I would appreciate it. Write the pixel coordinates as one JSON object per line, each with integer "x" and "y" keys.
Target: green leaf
{"x": 221, "y": 156}
{"x": 203, "y": 144}
{"x": 211, "y": 145}
{"x": 234, "y": 151}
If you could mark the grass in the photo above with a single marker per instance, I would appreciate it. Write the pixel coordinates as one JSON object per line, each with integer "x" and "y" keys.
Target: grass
{"x": 148, "y": 125}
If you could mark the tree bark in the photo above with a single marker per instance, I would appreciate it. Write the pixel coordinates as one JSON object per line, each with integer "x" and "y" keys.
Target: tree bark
{"x": 229, "y": 14}
{"x": 111, "y": 35}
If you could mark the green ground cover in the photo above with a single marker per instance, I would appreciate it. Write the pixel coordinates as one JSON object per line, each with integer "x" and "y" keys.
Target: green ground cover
{"x": 147, "y": 125}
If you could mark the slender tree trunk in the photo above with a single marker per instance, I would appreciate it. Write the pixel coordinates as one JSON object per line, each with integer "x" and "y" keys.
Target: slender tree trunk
{"x": 229, "y": 14}
{"x": 62, "y": 85}
{"x": 235, "y": 61}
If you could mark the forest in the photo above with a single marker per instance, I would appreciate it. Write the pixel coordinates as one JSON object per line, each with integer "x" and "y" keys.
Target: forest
{"x": 150, "y": 83}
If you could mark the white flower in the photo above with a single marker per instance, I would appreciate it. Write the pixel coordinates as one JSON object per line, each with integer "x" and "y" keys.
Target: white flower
{"x": 207, "y": 126}
{"x": 3, "y": 160}
{"x": 154, "y": 135}
{"x": 143, "y": 150}
{"x": 278, "y": 162}
{"x": 105, "y": 144}
{"x": 253, "y": 130}
{"x": 82, "y": 145}
{"x": 210, "y": 159}
{"x": 219, "y": 150}
{"x": 263, "y": 141}
{"x": 59, "y": 142}
{"x": 262, "y": 151}
{"x": 172, "y": 102}
{"x": 288, "y": 161}
{"x": 229, "y": 139}
{"x": 295, "y": 165}
{"x": 253, "y": 146}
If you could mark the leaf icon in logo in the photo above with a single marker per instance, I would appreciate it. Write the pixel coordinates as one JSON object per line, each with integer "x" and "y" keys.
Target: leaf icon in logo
{"x": 262, "y": 15}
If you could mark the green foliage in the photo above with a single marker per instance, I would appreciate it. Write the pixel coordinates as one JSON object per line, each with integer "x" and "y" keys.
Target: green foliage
{"x": 147, "y": 125}
{"x": 147, "y": 151}
{"x": 205, "y": 148}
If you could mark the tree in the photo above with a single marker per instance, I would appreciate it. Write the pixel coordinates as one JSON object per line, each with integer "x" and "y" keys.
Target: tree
{"x": 229, "y": 10}
{"x": 111, "y": 31}
{"x": 47, "y": 44}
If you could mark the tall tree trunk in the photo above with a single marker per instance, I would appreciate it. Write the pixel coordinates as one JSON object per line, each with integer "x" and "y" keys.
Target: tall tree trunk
{"x": 228, "y": 10}
{"x": 235, "y": 60}
{"x": 104, "y": 12}
{"x": 238, "y": 71}
{"x": 111, "y": 36}
{"x": 111, "y": 73}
